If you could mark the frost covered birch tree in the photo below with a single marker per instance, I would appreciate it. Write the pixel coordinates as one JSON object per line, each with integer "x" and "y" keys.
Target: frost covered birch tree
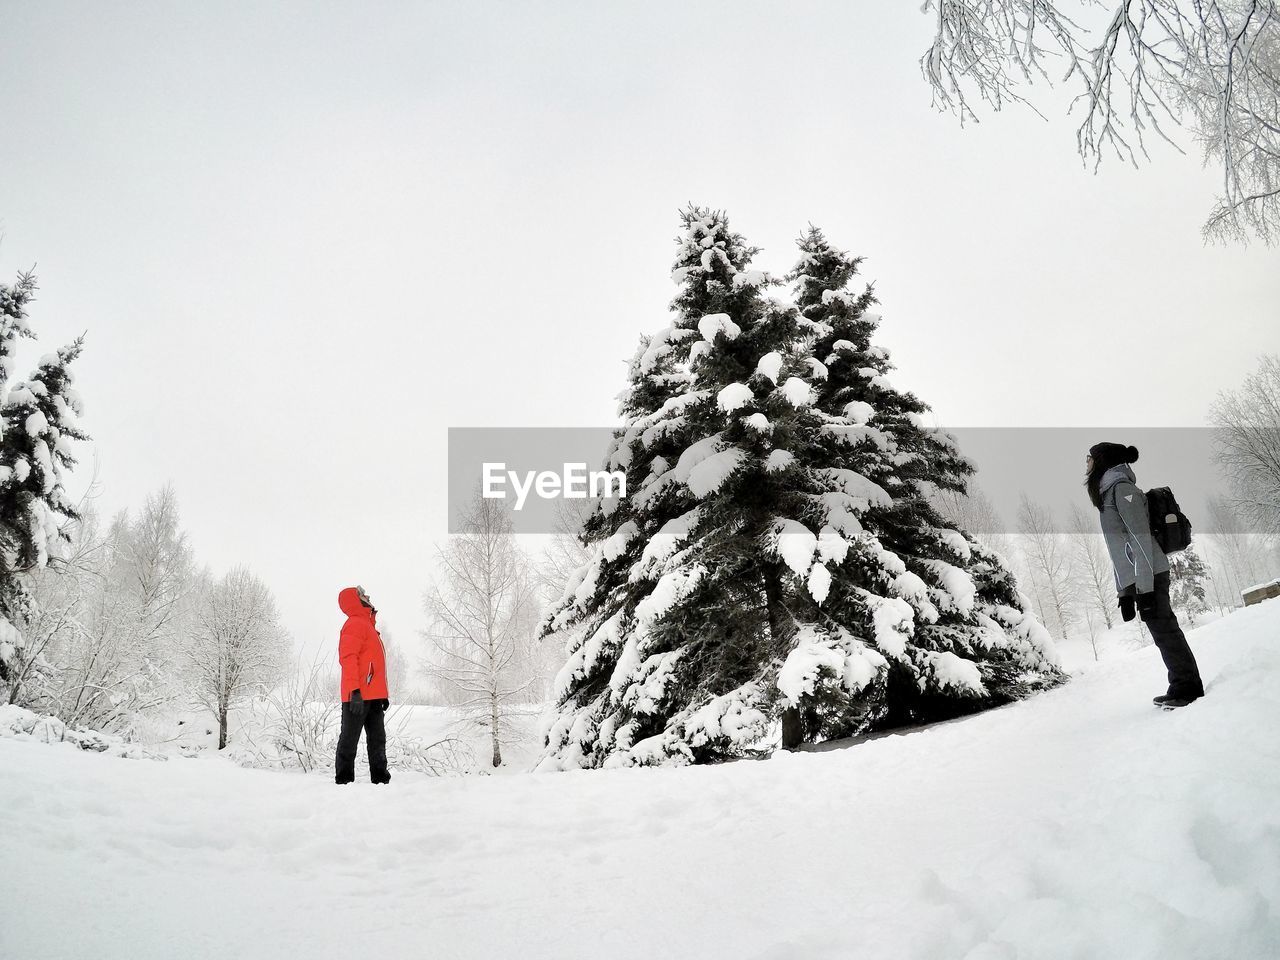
{"x": 1138, "y": 68}
{"x": 1091, "y": 563}
{"x": 1049, "y": 560}
{"x": 236, "y": 646}
{"x": 109, "y": 616}
{"x": 483, "y": 613}
{"x": 776, "y": 571}
{"x": 60, "y": 594}
{"x": 1095, "y": 582}
{"x": 123, "y": 657}
{"x": 565, "y": 552}
{"x": 155, "y": 565}
{"x": 1247, "y": 435}
{"x": 1241, "y": 558}
{"x": 973, "y": 512}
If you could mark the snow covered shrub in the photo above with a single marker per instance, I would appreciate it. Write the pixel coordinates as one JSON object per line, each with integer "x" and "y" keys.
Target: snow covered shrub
{"x": 447, "y": 757}
{"x": 299, "y": 719}
{"x": 778, "y": 572}
{"x": 295, "y": 726}
{"x": 23, "y": 724}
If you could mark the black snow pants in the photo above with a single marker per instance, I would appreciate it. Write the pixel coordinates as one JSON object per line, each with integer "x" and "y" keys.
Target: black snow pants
{"x": 366, "y": 715}
{"x": 1184, "y": 675}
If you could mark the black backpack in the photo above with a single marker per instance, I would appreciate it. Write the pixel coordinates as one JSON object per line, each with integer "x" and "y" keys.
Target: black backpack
{"x": 1169, "y": 525}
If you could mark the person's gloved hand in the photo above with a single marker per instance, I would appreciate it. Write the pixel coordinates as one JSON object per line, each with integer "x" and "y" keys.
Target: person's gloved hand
{"x": 1127, "y": 611}
{"x": 1147, "y": 604}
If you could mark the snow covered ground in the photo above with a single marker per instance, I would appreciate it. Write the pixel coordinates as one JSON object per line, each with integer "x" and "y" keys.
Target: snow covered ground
{"x": 1083, "y": 823}
{"x": 191, "y": 731}
{"x": 1078, "y": 654}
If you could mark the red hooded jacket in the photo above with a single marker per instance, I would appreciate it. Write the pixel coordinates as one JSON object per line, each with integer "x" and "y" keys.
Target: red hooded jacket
{"x": 360, "y": 651}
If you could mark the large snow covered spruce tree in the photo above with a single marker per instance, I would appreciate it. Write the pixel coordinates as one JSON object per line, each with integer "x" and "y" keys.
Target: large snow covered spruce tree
{"x": 39, "y": 418}
{"x": 776, "y": 558}
{"x": 971, "y": 642}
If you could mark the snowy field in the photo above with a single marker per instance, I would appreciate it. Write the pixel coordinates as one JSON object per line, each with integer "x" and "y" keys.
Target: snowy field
{"x": 1081, "y": 824}
{"x": 1122, "y": 640}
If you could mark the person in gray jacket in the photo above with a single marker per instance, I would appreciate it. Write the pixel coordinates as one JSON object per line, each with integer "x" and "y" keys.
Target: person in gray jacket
{"x": 1141, "y": 568}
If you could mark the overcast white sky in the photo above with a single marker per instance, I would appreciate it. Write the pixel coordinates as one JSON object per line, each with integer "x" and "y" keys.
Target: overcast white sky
{"x": 306, "y": 239}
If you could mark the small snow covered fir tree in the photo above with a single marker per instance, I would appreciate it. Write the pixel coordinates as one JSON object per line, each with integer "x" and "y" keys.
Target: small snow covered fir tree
{"x": 776, "y": 571}
{"x": 1188, "y": 578}
{"x": 39, "y": 419}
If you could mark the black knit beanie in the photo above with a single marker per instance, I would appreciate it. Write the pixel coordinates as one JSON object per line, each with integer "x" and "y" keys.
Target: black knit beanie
{"x": 1107, "y": 455}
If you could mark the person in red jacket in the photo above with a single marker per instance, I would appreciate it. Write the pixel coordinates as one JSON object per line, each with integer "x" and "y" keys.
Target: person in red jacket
{"x": 364, "y": 688}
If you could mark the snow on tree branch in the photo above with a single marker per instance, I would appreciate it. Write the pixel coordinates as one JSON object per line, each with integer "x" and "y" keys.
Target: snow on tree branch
{"x": 1212, "y": 67}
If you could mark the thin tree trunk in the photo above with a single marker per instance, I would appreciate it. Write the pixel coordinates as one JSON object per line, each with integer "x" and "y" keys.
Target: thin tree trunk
{"x": 779, "y": 631}
{"x": 493, "y": 728}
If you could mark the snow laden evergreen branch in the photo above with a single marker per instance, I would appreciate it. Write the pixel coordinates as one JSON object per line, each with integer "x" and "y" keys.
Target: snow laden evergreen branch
{"x": 13, "y": 318}
{"x": 778, "y": 573}
{"x": 40, "y": 421}
{"x": 1139, "y": 68}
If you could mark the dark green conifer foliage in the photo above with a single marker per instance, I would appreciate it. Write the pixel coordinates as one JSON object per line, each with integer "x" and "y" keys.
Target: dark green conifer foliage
{"x": 40, "y": 420}
{"x": 776, "y": 556}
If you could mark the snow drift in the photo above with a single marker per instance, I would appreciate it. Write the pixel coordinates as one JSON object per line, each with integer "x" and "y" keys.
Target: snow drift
{"x": 1080, "y": 823}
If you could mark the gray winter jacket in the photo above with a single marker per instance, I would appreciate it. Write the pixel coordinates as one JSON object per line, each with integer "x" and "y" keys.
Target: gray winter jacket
{"x": 1127, "y": 529}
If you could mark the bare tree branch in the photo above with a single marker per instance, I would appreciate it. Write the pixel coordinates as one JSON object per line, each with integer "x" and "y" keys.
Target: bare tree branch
{"x": 1211, "y": 66}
